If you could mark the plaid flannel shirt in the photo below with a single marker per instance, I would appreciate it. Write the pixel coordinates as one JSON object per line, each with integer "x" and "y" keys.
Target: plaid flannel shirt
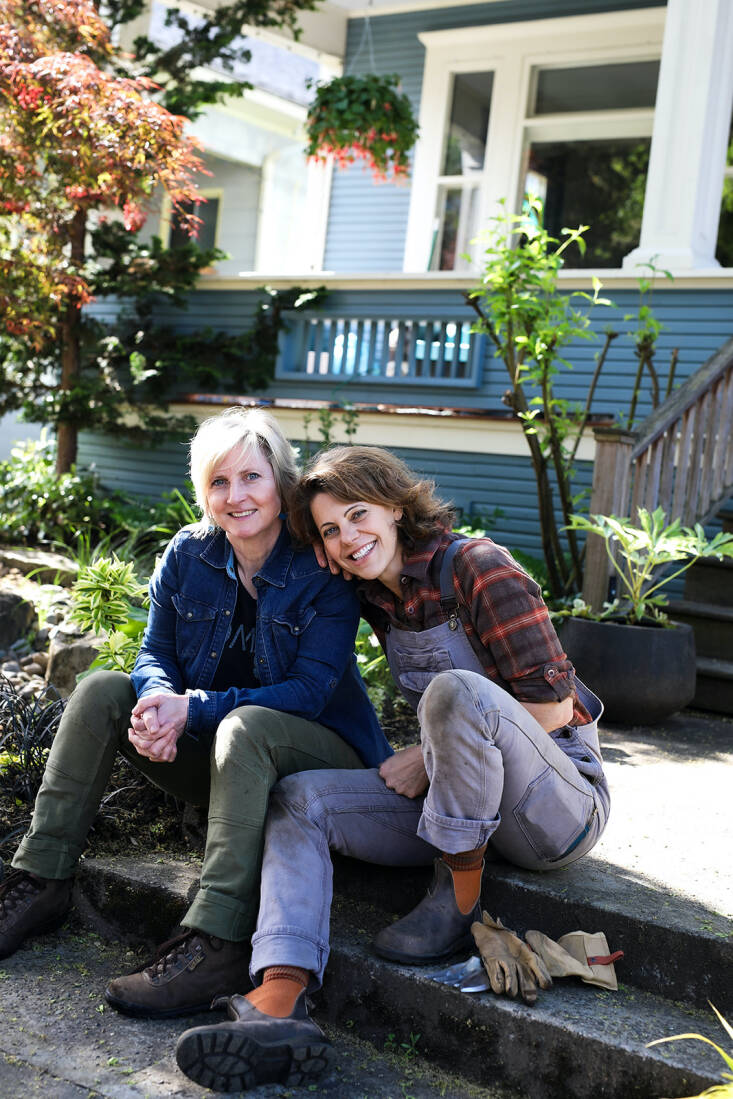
{"x": 500, "y": 607}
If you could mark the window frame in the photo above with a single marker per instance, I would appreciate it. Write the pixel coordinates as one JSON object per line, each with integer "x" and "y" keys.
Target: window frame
{"x": 515, "y": 52}
{"x": 166, "y": 216}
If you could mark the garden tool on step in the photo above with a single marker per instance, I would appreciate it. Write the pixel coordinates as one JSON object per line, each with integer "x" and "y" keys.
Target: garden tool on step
{"x": 578, "y": 954}
{"x": 511, "y": 965}
{"x": 468, "y": 976}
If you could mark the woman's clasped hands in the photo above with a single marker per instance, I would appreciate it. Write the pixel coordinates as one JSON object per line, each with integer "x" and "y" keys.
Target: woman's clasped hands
{"x": 156, "y": 723}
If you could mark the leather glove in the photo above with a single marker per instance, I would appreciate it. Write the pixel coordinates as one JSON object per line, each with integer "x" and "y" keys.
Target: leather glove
{"x": 510, "y": 964}
{"x": 578, "y": 954}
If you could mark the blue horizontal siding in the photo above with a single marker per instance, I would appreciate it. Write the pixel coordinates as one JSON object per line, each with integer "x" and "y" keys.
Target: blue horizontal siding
{"x": 695, "y": 321}
{"x": 368, "y": 221}
{"x": 472, "y": 482}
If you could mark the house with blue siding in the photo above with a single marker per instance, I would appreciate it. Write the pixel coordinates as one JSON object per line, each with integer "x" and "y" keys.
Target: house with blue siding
{"x": 618, "y": 114}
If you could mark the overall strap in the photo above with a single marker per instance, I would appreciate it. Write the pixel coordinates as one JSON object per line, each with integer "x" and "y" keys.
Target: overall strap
{"x": 448, "y": 600}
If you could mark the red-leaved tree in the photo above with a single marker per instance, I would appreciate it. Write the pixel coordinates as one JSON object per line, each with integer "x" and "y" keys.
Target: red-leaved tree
{"x": 75, "y": 138}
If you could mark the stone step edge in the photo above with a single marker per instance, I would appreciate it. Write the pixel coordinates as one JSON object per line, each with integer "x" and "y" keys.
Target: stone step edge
{"x": 150, "y": 897}
{"x": 689, "y": 608}
{"x": 575, "y": 1042}
{"x": 714, "y": 668}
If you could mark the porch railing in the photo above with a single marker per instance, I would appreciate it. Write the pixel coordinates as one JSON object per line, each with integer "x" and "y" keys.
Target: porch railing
{"x": 433, "y": 351}
{"x": 681, "y": 460}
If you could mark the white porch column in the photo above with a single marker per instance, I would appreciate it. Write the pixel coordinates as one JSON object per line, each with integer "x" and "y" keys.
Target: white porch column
{"x": 689, "y": 141}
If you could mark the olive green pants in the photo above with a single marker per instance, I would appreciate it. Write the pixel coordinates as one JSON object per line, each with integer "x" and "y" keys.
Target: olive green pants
{"x": 253, "y": 747}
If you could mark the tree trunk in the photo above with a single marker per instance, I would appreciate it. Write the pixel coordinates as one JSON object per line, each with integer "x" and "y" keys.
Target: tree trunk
{"x": 66, "y": 428}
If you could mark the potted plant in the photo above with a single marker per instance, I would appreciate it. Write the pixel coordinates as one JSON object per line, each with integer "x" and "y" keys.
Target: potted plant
{"x": 641, "y": 664}
{"x": 363, "y": 118}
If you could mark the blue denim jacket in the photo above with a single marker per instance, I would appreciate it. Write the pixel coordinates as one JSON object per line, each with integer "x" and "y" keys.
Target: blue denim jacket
{"x": 304, "y": 639}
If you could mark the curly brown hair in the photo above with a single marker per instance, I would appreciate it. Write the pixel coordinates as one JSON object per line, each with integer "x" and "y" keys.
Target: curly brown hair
{"x": 376, "y": 476}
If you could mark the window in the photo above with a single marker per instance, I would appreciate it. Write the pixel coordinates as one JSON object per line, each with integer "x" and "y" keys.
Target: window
{"x": 205, "y": 235}
{"x": 456, "y": 221}
{"x": 511, "y": 107}
{"x": 600, "y": 181}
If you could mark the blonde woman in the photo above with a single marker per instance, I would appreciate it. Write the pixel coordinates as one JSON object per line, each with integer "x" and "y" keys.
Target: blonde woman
{"x": 246, "y": 673}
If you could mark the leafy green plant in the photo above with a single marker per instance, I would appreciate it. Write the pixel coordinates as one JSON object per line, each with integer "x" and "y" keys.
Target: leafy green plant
{"x": 530, "y": 322}
{"x": 645, "y": 336}
{"x": 38, "y": 507}
{"x": 373, "y": 666}
{"x": 328, "y": 417}
{"x": 638, "y": 553}
{"x": 108, "y": 598}
{"x": 362, "y": 118}
{"x": 718, "y": 1091}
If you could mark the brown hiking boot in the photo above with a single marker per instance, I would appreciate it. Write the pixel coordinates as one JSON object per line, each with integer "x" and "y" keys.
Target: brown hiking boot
{"x": 184, "y": 977}
{"x": 30, "y": 906}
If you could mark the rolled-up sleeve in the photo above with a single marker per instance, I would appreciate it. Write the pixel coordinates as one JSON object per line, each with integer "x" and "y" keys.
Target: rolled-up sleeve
{"x": 511, "y": 620}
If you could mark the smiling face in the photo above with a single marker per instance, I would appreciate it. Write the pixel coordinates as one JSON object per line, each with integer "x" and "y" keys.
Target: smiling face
{"x": 243, "y": 500}
{"x": 360, "y": 537}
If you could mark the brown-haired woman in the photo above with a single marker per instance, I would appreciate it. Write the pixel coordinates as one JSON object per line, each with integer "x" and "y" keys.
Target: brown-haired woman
{"x": 508, "y": 754}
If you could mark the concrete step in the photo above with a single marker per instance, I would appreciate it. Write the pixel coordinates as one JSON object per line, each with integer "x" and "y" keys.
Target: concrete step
{"x": 710, "y": 581}
{"x": 59, "y": 1040}
{"x": 577, "y": 1041}
{"x": 714, "y": 689}
{"x": 672, "y": 945}
{"x": 712, "y": 625}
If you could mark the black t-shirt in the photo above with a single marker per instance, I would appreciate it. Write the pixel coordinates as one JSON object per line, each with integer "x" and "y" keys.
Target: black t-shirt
{"x": 236, "y": 666}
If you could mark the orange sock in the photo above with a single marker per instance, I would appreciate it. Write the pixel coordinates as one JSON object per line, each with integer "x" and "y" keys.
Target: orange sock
{"x": 280, "y": 988}
{"x": 466, "y": 868}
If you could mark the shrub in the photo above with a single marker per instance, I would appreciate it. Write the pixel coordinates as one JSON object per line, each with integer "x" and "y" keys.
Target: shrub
{"x": 39, "y": 507}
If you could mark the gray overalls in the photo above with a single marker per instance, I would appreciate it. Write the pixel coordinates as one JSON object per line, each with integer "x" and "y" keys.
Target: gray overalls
{"x": 496, "y": 777}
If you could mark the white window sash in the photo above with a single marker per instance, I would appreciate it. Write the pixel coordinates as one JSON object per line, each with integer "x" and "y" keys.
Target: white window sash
{"x": 514, "y": 52}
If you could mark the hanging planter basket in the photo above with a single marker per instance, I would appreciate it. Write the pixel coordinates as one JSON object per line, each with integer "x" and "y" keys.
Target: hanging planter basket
{"x": 363, "y": 118}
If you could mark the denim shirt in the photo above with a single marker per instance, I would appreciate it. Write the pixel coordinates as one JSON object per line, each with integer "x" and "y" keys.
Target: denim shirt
{"x": 304, "y": 639}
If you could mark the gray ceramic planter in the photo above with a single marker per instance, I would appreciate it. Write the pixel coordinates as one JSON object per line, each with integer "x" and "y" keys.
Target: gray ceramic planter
{"x": 642, "y": 674}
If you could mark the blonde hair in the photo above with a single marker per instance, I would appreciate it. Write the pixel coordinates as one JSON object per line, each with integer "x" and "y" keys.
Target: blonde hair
{"x": 376, "y": 476}
{"x": 251, "y": 429}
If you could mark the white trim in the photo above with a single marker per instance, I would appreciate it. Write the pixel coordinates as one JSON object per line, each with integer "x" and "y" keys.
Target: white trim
{"x": 419, "y": 430}
{"x": 513, "y": 51}
{"x": 687, "y": 164}
{"x": 571, "y": 27}
{"x": 713, "y": 278}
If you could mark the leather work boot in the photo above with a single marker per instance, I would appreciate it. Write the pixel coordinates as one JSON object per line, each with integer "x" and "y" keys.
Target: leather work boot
{"x": 254, "y": 1048}
{"x": 30, "y": 906}
{"x": 435, "y": 929}
{"x": 186, "y": 974}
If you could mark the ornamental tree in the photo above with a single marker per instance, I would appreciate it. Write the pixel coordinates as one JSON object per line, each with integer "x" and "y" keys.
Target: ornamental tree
{"x": 75, "y": 139}
{"x": 87, "y": 141}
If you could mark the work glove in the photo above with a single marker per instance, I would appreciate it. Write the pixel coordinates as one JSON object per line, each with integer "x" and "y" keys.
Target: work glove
{"x": 510, "y": 964}
{"x": 578, "y": 954}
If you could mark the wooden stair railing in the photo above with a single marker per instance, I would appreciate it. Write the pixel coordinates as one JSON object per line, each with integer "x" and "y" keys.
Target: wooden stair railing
{"x": 681, "y": 460}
